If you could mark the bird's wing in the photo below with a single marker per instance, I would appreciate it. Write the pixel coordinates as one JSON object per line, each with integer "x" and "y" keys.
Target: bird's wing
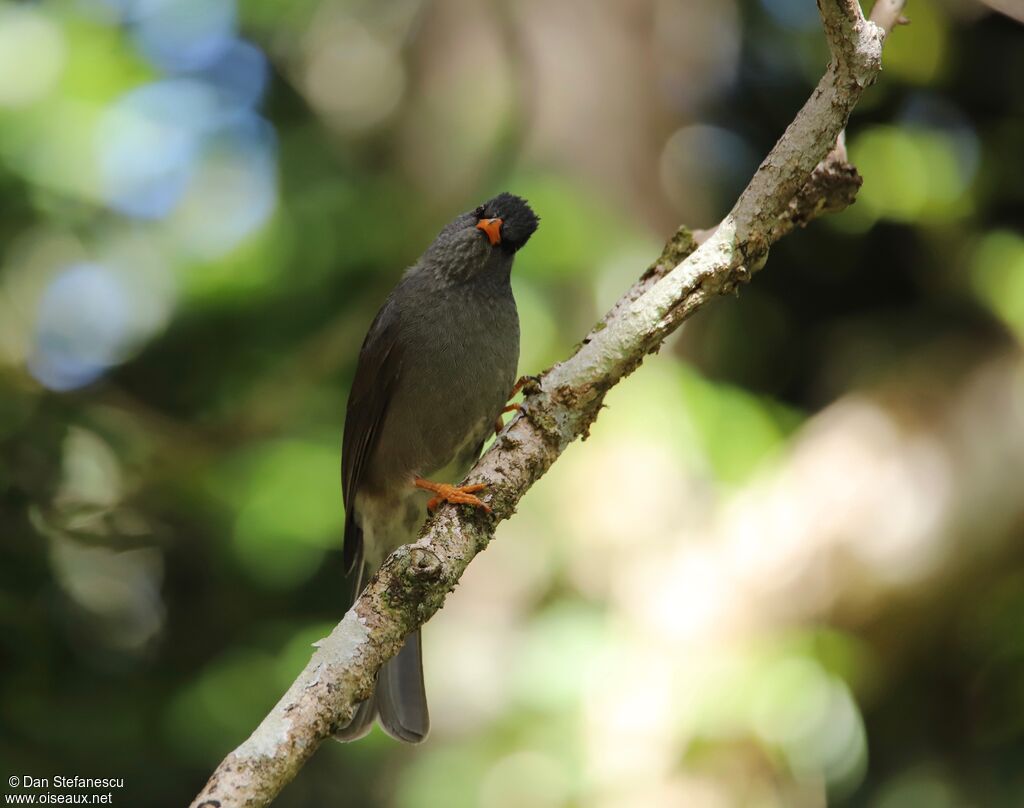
{"x": 376, "y": 376}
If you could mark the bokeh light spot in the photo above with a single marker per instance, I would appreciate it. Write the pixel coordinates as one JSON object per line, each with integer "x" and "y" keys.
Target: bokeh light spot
{"x": 239, "y": 75}
{"x": 579, "y": 231}
{"x": 919, "y": 53}
{"x": 703, "y": 156}
{"x": 738, "y": 430}
{"x": 524, "y": 778}
{"x": 997, "y": 275}
{"x": 184, "y": 34}
{"x": 288, "y": 509}
{"x": 227, "y": 699}
{"x": 81, "y": 327}
{"x": 796, "y": 14}
{"x": 813, "y": 718}
{"x": 233, "y": 190}
{"x": 353, "y": 77}
{"x": 911, "y": 174}
{"x": 147, "y": 144}
{"x": 32, "y": 55}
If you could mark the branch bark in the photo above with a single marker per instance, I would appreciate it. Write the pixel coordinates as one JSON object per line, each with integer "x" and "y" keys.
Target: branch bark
{"x": 804, "y": 176}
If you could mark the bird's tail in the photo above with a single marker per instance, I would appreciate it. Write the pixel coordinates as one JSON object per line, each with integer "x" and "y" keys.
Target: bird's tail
{"x": 399, "y": 699}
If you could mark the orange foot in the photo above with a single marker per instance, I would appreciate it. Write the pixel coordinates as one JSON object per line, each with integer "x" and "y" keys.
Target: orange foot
{"x": 456, "y": 494}
{"x": 499, "y": 424}
{"x": 522, "y": 382}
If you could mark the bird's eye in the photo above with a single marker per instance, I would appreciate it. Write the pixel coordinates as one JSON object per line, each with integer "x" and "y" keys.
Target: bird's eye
{"x": 479, "y": 212}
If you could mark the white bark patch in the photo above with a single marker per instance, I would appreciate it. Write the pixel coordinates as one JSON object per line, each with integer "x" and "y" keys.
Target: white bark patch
{"x": 339, "y": 647}
{"x": 269, "y": 735}
{"x": 343, "y": 643}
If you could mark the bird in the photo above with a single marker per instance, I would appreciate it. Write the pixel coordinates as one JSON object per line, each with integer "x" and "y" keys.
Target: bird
{"x": 434, "y": 373}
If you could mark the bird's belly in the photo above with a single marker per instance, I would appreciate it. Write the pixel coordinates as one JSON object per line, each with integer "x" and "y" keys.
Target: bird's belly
{"x": 388, "y": 521}
{"x": 462, "y": 455}
{"x": 444, "y": 437}
{"x": 392, "y": 515}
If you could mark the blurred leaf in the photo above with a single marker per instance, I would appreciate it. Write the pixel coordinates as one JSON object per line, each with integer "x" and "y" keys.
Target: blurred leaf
{"x": 563, "y": 642}
{"x": 918, "y": 53}
{"x": 102, "y": 64}
{"x": 576, "y": 231}
{"x": 737, "y": 430}
{"x": 448, "y": 776}
{"x": 910, "y": 174}
{"x": 997, "y": 276}
{"x": 286, "y": 497}
{"x": 217, "y": 711}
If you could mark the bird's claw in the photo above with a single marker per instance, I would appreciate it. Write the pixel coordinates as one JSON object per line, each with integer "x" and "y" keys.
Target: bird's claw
{"x": 528, "y": 384}
{"x": 499, "y": 424}
{"x": 455, "y": 494}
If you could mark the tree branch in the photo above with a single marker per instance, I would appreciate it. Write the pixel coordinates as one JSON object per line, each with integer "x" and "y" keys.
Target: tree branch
{"x": 804, "y": 176}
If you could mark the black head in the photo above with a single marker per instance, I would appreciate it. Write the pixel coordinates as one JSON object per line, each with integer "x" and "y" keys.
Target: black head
{"x": 480, "y": 243}
{"x": 506, "y": 220}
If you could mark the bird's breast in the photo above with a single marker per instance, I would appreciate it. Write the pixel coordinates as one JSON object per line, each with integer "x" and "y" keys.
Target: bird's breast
{"x": 460, "y": 353}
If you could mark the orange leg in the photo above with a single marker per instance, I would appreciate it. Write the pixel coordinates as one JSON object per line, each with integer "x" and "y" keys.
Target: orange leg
{"x": 521, "y": 383}
{"x": 456, "y": 494}
{"x": 498, "y": 423}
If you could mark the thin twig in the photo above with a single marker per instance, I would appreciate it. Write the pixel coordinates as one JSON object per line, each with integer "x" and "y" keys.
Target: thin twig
{"x": 887, "y": 14}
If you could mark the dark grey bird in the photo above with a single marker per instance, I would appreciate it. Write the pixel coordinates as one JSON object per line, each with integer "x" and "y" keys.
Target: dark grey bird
{"x": 435, "y": 371}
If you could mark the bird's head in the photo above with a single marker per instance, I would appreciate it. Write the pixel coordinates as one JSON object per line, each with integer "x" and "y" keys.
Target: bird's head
{"x": 506, "y": 221}
{"x": 482, "y": 242}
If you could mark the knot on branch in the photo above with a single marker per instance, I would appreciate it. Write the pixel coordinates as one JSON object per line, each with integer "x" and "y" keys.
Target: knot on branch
{"x": 531, "y": 385}
{"x": 831, "y": 188}
{"x": 423, "y": 566}
{"x": 539, "y": 414}
{"x": 411, "y": 575}
{"x": 866, "y": 61}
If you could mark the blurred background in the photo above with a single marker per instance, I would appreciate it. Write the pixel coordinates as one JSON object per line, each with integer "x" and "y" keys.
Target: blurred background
{"x": 786, "y": 568}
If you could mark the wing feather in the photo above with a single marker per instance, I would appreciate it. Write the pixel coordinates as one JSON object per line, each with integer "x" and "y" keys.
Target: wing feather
{"x": 373, "y": 387}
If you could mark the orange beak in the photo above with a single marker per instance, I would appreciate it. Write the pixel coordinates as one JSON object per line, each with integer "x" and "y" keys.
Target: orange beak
{"x": 492, "y": 227}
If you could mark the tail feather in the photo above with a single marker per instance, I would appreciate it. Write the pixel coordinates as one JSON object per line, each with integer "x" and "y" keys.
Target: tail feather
{"x": 401, "y": 697}
{"x": 399, "y": 700}
{"x": 361, "y": 723}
